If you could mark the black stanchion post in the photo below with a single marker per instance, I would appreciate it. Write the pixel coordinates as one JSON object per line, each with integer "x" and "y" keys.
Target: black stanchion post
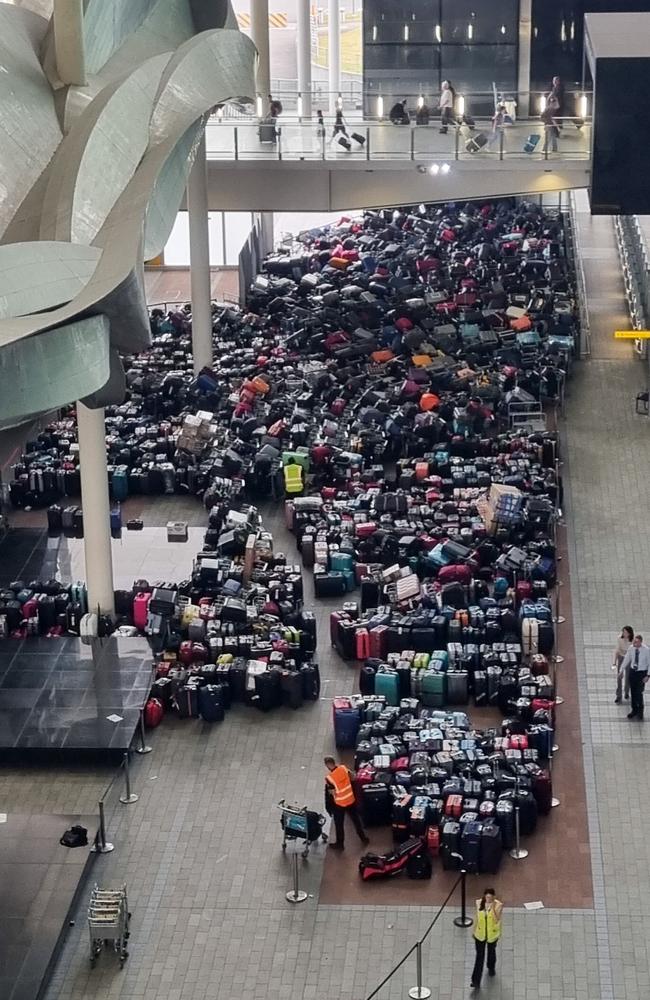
{"x": 463, "y": 920}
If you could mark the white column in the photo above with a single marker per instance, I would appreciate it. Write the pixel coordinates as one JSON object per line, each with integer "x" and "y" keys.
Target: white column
{"x": 260, "y": 36}
{"x": 303, "y": 43}
{"x": 197, "y": 208}
{"x": 523, "y": 69}
{"x": 334, "y": 52}
{"x": 267, "y": 230}
{"x": 69, "y": 41}
{"x": 96, "y": 508}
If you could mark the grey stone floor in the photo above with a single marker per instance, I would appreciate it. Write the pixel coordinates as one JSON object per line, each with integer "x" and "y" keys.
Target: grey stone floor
{"x": 200, "y": 851}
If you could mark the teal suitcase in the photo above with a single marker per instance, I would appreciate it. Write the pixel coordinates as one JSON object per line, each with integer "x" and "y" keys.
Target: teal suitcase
{"x": 341, "y": 562}
{"x": 388, "y": 685}
{"x": 434, "y": 689}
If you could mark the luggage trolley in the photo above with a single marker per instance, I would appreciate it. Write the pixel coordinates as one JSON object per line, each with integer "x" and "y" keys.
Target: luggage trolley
{"x": 301, "y": 824}
{"x": 108, "y": 922}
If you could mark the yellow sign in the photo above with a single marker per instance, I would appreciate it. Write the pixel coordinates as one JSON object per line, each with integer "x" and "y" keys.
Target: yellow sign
{"x": 632, "y": 335}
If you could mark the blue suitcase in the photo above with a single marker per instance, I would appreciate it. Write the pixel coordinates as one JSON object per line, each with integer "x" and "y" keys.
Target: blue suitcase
{"x": 116, "y": 523}
{"x": 211, "y": 708}
{"x": 470, "y": 846}
{"x": 531, "y": 143}
{"x": 120, "y": 484}
{"x": 388, "y": 684}
{"x": 79, "y": 595}
{"x": 346, "y": 725}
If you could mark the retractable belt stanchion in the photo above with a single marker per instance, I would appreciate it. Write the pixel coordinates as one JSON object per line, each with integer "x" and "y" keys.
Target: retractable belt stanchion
{"x": 554, "y": 801}
{"x": 419, "y": 992}
{"x": 517, "y": 852}
{"x": 463, "y": 920}
{"x": 296, "y": 895}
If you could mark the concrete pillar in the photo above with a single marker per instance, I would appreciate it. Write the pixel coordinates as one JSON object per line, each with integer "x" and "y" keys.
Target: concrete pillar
{"x": 334, "y": 52}
{"x": 260, "y": 36}
{"x": 523, "y": 70}
{"x": 303, "y": 43}
{"x": 267, "y": 232}
{"x": 96, "y": 508}
{"x": 197, "y": 208}
{"x": 69, "y": 44}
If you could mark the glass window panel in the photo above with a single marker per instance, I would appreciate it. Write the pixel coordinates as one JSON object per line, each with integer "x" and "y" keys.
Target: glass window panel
{"x": 387, "y": 21}
{"x": 401, "y": 57}
{"x": 474, "y": 68}
{"x": 480, "y": 21}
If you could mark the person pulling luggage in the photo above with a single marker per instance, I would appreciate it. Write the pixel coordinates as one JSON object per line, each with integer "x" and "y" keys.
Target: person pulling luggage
{"x": 293, "y": 478}
{"x": 340, "y": 802}
{"x": 487, "y": 931}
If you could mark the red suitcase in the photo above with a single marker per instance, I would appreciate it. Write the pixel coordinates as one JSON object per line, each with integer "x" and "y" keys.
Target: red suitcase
{"x": 538, "y": 664}
{"x": 433, "y": 840}
{"x": 543, "y": 792}
{"x": 378, "y": 638}
{"x": 421, "y": 470}
{"x": 337, "y": 407}
{"x": 518, "y": 742}
{"x": 30, "y": 608}
{"x": 455, "y": 573}
{"x": 362, "y": 644}
{"x": 365, "y": 529}
{"x": 400, "y": 764}
{"x": 140, "y": 610}
{"x": 153, "y": 713}
{"x": 454, "y": 806}
{"x": 335, "y": 618}
{"x": 523, "y": 590}
{"x": 365, "y": 775}
{"x": 185, "y": 652}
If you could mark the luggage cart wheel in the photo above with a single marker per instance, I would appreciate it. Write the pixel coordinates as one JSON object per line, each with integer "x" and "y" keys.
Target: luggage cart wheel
{"x": 324, "y": 837}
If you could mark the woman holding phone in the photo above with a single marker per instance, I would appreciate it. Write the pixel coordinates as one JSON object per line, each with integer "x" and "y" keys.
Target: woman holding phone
{"x": 487, "y": 931}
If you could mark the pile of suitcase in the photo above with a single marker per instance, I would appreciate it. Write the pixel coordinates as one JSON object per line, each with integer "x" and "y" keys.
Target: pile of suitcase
{"x": 428, "y": 774}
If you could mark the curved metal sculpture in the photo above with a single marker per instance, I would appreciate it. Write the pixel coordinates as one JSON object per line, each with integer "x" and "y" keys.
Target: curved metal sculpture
{"x": 92, "y": 177}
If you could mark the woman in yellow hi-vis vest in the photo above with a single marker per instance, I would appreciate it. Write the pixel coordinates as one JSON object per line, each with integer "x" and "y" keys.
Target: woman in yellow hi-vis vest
{"x": 487, "y": 931}
{"x": 293, "y": 478}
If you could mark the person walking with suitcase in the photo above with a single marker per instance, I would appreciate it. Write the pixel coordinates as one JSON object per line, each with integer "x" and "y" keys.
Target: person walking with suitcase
{"x": 622, "y": 675}
{"x": 446, "y": 105}
{"x": 637, "y": 660}
{"x": 340, "y": 802}
{"x": 551, "y": 130}
{"x": 487, "y": 931}
{"x": 340, "y": 129}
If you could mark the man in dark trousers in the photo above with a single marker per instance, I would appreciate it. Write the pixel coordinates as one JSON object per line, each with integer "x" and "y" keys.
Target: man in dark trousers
{"x": 637, "y": 660}
{"x": 340, "y": 802}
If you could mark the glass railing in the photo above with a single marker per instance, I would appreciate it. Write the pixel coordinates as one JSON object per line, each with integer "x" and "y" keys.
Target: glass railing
{"x": 370, "y": 140}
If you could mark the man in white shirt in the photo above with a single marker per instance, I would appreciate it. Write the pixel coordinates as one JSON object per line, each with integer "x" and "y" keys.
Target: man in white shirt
{"x": 637, "y": 660}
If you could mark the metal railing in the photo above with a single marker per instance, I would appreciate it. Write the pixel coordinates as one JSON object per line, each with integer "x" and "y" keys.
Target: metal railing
{"x": 371, "y": 140}
{"x": 635, "y": 270}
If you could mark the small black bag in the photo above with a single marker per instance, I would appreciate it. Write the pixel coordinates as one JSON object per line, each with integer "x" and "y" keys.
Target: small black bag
{"x": 76, "y": 836}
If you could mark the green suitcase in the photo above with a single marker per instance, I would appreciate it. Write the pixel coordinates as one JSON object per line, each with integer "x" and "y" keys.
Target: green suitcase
{"x": 434, "y": 689}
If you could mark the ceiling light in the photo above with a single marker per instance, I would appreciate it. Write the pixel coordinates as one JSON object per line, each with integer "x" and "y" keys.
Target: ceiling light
{"x": 470, "y": 31}
{"x": 445, "y": 168}
{"x": 434, "y": 169}
{"x": 420, "y": 101}
{"x": 503, "y": 29}
{"x": 380, "y": 107}
{"x": 406, "y": 32}
{"x": 460, "y": 102}
{"x": 299, "y": 106}
{"x": 542, "y": 104}
{"x": 374, "y": 32}
{"x": 438, "y": 33}
{"x": 582, "y": 106}
{"x": 259, "y": 107}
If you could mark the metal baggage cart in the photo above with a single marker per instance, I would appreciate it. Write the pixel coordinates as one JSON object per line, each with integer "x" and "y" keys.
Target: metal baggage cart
{"x": 108, "y": 922}
{"x": 301, "y": 823}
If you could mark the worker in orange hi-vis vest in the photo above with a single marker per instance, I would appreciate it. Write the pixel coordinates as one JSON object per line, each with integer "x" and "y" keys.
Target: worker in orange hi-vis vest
{"x": 340, "y": 802}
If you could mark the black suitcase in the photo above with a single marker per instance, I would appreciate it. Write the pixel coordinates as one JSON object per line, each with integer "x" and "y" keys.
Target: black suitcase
{"x": 345, "y": 641}
{"x": 506, "y": 822}
{"x": 186, "y": 700}
{"x": 54, "y": 519}
{"x": 370, "y": 594}
{"x": 291, "y": 684}
{"x": 476, "y": 142}
{"x": 329, "y": 584}
{"x": 46, "y": 611}
{"x": 527, "y": 812}
{"x": 237, "y": 675}
{"x": 367, "y": 680}
{"x": 457, "y": 687}
{"x": 376, "y": 805}
{"x": 470, "y": 846}
{"x": 491, "y": 849}
{"x": 310, "y": 677}
{"x": 450, "y": 846}
{"x": 268, "y": 690}
{"x": 480, "y": 688}
{"x": 358, "y": 138}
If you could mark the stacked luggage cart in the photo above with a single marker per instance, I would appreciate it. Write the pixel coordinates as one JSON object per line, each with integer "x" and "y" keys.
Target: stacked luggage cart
{"x": 108, "y": 923}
